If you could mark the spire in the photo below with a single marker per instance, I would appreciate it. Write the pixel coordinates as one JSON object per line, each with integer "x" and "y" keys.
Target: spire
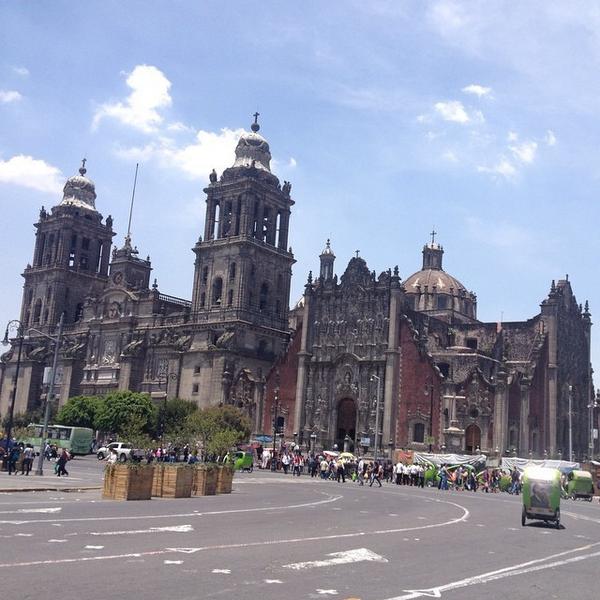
{"x": 82, "y": 169}
{"x": 327, "y": 259}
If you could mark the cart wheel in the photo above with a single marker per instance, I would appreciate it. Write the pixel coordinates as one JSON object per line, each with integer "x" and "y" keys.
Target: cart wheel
{"x": 523, "y": 517}
{"x": 251, "y": 469}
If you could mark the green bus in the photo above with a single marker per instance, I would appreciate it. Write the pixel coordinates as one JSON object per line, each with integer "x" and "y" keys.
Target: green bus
{"x": 77, "y": 440}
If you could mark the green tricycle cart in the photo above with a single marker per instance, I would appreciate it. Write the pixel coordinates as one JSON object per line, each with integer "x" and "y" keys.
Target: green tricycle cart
{"x": 580, "y": 485}
{"x": 541, "y": 495}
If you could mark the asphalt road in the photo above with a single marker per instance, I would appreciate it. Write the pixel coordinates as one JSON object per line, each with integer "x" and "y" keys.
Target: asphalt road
{"x": 278, "y": 537}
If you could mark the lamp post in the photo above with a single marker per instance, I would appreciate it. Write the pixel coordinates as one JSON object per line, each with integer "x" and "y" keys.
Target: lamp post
{"x": 275, "y": 410}
{"x": 15, "y": 324}
{"x": 570, "y": 423}
{"x": 591, "y": 406}
{"x": 313, "y": 441}
{"x": 56, "y": 340}
{"x": 164, "y": 377}
{"x": 378, "y": 379}
{"x": 429, "y": 390}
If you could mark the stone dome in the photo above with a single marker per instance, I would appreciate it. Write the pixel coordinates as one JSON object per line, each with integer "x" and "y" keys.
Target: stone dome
{"x": 433, "y": 291}
{"x": 433, "y": 278}
{"x": 79, "y": 191}
{"x": 253, "y": 150}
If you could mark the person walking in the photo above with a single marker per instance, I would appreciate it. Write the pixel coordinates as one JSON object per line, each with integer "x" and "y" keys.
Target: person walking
{"x": 13, "y": 458}
{"x": 61, "y": 463}
{"x": 341, "y": 471}
{"x": 27, "y": 460}
{"x": 377, "y": 472}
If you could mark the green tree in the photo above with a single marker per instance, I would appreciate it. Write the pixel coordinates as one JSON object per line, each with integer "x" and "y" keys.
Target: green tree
{"x": 120, "y": 408}
{"x": 232, "y": 418}
{"x": 80, "y": 411}
{"x": 222, "y": 442}
{"x": 172, "y": 415}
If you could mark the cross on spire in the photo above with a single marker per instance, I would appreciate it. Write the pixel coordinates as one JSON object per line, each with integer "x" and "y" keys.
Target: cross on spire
{"x": 82, "y": 170}
{"x": 256, "y": 115}
{"x": 433, "y": 234}
{"x": 357, "y": 251}
{"x": 255, "y": 126}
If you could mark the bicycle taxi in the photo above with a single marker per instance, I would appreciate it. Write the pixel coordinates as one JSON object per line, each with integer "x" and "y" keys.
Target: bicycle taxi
{"x": 541, "y": 495}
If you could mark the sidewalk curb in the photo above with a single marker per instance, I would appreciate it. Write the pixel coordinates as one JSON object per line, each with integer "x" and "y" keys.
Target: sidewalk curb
{"x": 50, "y": 489}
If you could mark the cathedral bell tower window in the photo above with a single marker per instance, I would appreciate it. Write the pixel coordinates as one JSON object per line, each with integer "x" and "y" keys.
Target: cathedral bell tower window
{"x": 232, "y": 270}
{"x": 264, "y": 297}
{"x": 217, "y": 291}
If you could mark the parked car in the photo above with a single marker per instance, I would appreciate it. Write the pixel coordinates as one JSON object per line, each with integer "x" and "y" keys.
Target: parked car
{"x": 124, "y": 451}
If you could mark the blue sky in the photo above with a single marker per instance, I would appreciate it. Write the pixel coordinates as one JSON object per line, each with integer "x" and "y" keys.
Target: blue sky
{"x": 389, "y": 118}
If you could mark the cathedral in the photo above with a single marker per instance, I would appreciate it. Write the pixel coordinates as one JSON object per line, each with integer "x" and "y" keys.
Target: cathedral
{"x": 369, "y": 362}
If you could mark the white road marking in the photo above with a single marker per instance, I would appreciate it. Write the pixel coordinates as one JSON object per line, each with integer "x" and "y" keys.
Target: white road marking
{"x": 175, "y": 528}
{"x": 173, "y": 562}
{"x": 327, "y": 592}
{"x": 222, "y": 571}
{"x": 55, "y": 522}
{"x": 53, "y": 509}
{"x": 94, "y": 547}
{"x": 339, "y": 558}
{"x": 376, "y": 532}
{"x": 273, "y": 581}
{"x": 57, "y": 541}
{"x": 23, "y": 534}
{"x": 519, "y": 569}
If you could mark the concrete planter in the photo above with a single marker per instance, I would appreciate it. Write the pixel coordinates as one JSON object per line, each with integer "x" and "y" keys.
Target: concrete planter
{"x": 124, "y": 482}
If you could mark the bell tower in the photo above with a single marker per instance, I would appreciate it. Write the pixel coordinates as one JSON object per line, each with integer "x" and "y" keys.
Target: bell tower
{"x": 243, "y": 265}
{"x": 70, "y": 258}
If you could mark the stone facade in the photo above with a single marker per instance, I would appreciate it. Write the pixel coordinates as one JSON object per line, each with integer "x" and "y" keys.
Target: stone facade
{"x": 441, "y": 378}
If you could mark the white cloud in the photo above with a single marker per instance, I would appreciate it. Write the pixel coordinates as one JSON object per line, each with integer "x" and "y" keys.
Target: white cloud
{"x": 512, "y": 136}
{"x": 452, "y": 111}
{"x": 292, "y": 163}
{"x": 477, "y": 90}
{"x": 30, "y": 172}
{"x": 525, "y": 151}
{"x": 150, "y": 92}
{"x": 550, "y": 138}
{"x": 450, "y": 156}
{"x": 7, "y": 96}
{"x": 22, "y": 71}
{"x": 503, "y": 168}
{"x": 209, "y": 151}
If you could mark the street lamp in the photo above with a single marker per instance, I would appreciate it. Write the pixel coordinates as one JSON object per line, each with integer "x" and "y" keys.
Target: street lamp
{"x": 164, "y": 377}
{"x": 15, "y": 324}
{"x": 591, "y": 406}
{"x": 313, "y": 441}
{"x": 429, "y": 390}
{"x": 570, "y": 423}
{"x": 56, "y": 340}
{"x": 378, "y": 379}
{"x": 275, "y": 410}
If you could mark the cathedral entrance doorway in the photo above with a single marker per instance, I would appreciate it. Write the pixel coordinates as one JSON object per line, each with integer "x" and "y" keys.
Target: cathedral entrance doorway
{"x": 473, "y": 438}
{"x": 346, "y": 423}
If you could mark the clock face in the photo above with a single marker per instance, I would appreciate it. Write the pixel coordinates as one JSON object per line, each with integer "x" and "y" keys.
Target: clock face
{"x": 118, "y": 277}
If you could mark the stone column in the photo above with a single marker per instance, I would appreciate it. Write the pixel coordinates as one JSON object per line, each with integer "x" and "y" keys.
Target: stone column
{"x": 209, "y": 226}
{"x": 303, "y": 357}
{"x": 391, "y": 360}
{"x": 524, "y": 418}
{"x": 283, "y": 229}
{"x": 500, "y": 412}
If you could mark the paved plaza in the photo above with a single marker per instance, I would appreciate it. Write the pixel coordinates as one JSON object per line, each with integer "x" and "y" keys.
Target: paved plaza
{"x": 283, "y": 537}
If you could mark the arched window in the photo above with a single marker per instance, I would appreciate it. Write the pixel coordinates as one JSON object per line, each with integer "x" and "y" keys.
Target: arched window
{"x": 215, "y": 232}
{"x": 45, "y": 320}
{"x": 37, "y": 311}
{"x": 217, "y": 290}
{"x": 264, "y": 297}
{"x": 205, "y": 275}
{"x": 78, "y": 312}
{"x": 229, "y": 297}
{"x": 203, "y": 300}
{"x": 232, "y": 270}
{"x": 419, "y": 433}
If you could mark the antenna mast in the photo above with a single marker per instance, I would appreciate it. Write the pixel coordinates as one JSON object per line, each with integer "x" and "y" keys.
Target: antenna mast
{"x": 132, "y": 199}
